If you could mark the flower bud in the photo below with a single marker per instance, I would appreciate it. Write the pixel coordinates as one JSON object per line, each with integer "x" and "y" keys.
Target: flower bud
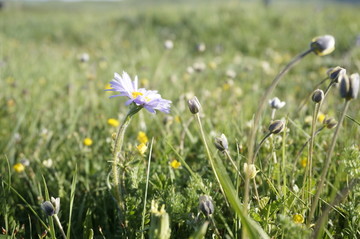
{"x": 206, "y": 205}
{"x": 336, "y": 73}
{"x": 51, "y": 208}
{"x": 330, "y": 123}
{"x": 276, "y": 127}
{"x": 349, "y": 87}
{"x": 48, "y": 208}
{"x": 194, "y": 105}
{"x": 250, "y": 170}
{"x": 275, "y": 103}
{"x": 318, "y": 96}
{"x": 323, "y": 45}
{"x": 221, "y": 143}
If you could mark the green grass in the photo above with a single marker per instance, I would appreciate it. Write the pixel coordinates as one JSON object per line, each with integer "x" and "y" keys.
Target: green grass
{"x": 50, "y": 102}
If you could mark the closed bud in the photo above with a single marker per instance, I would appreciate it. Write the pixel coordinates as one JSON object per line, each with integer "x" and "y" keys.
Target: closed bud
{"x": 276, "y": 127}
{"x": 349, "y": 86}
{"x": 48, "y": 208}
{"x": 318, "y": 96}
{"x": 323, "y": 45}
{"x": 336, "y": 73}
{"x": 221, "y": 143}
{"x": 194, "y": 105}
{"x": 330, "y": 123}
{"x": 250, "y": 170}
{"x": 51, "y": 208}
{"x": 206, "y": 205}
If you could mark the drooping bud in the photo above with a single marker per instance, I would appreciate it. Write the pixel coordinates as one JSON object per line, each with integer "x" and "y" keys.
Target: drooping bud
{"x": 318, "y": 96}
{"x": 275, "y": 103}
{"x": 336, "y": 73}
{"x": 330, "y": 123}
{"x": 349, "y": 86}
{"x": 323, "y": 45}
{"x": 206, "y": 205}
{"x": 221, "y": 143}
{"x": 194, "y": 105}
{"x": 250, "y": 170}
{"x": 48, "y": 208}
{"x": 276, "y": 127}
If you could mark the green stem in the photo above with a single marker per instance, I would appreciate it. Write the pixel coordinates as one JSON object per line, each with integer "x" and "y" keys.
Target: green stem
{"x": 146, "y": 191}
{"x": 327, "y": 164}
{"x": 233, "y": 163}
{"x": 308, "y": 173}
{"x": 59, "y": 225}
{"x": 209, "y": 155}
{"x": 258, "y": 113}
{"x": 117, "y": 155}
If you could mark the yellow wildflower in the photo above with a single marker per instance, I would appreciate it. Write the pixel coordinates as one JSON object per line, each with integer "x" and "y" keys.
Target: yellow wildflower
{"x": 19, "y": 167}
{"x": 108, "y": 87}
{"x": 321, "y": 117}
{"x": 177, "y": 119}
{"x": 212, "y": 65}
{"x": 87, "y": 142}
{"x": 142, "y": 138}
{"x": 303, "y": 162}
{"x": 298, "y": 218}
{"x": 226, "y": 86}
{"x": 142, "y": 148}
{"x": 10, "y": 103}
{"x": 113, "y": 122}
{"x": 175, "y": 164}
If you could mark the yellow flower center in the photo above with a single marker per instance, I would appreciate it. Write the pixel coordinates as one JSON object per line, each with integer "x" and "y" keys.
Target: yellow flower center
{"x": 136, "y": 94}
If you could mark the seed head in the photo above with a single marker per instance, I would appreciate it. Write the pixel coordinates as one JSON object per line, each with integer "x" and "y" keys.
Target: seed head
{"x": 349, "y": 86}
{"x": 323, "y": 45}
{"x": 336, "y": 73}
{"x": 221, "y": 143}
{"x": 206, "y": 205}
{"x": 318, "y": 96}
{"x": 194, "y": 105}
{"x": 276, "y": 127}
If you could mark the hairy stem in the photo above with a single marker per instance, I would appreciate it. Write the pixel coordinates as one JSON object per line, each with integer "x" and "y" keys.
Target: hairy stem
{"x": 327, "y": 164}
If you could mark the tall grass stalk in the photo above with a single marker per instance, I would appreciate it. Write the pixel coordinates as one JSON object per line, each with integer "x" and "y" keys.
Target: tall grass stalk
{"x": 308, "y": 173}
{"x": 197, "y": 116}
{"x": 327, "y": 164}
{"x": 146, "y": 190}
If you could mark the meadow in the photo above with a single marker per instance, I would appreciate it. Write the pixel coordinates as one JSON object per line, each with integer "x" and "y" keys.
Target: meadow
{"x": 177, "y": 177}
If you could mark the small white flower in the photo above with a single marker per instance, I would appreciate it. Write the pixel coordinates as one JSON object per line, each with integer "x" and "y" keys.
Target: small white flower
{"x": 275, "y": 103}
{"x": 168, "y": 44}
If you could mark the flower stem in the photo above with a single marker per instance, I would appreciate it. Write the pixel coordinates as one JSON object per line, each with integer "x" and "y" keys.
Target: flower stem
{"x": 327, "y": 164}
{"x": 258, "y": 113}
{"x": 117, "y": 155}
{"x": 59, "y": 225}
{"x": 308, "y": 173}
{"x": 209, "y": 155}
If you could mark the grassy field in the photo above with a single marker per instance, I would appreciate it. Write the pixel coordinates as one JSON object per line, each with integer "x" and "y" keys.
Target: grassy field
{"x": 56, "y": 139}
